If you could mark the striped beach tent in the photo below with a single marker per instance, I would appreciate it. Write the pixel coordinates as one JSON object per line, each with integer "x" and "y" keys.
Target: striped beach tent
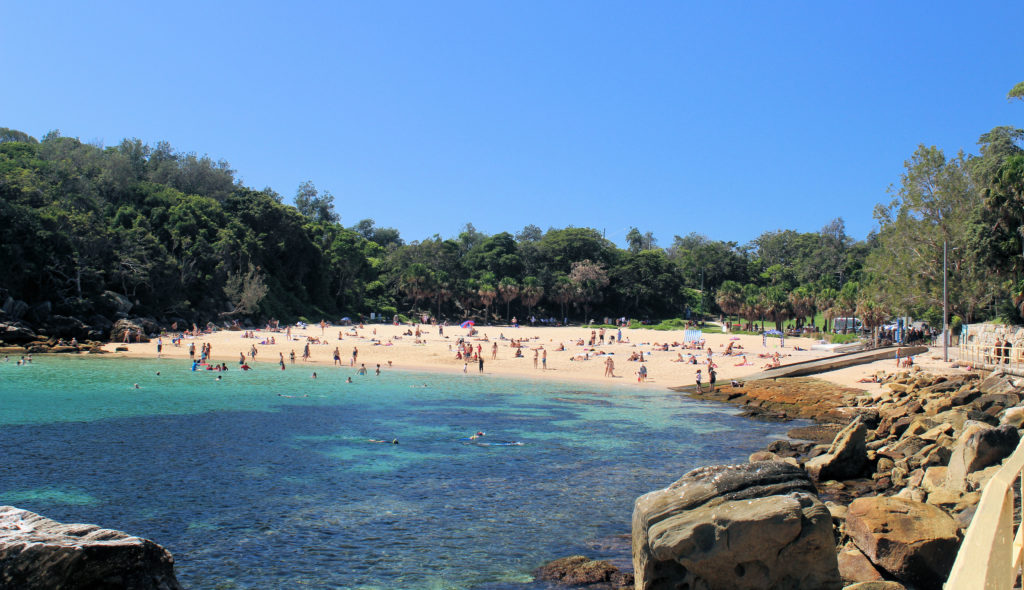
{"x": 692, "y": 336}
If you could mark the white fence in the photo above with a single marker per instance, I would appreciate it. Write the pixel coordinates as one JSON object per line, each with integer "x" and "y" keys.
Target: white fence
{"x": 990, "y": 556}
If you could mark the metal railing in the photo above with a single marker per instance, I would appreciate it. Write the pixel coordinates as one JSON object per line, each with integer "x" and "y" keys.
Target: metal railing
{"x": 990, "y": 555}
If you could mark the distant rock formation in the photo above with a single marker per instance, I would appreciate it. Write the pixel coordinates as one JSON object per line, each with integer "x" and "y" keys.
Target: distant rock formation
{"x": 37, "y": 553}
{"x": 737, "y": 527}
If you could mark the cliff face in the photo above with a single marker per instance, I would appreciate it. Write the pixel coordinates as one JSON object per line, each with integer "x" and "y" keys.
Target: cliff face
{"x": 37, "y": 553}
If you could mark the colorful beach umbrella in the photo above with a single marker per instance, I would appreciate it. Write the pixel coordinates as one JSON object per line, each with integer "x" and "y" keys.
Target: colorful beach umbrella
{"x": 468, "y": 323}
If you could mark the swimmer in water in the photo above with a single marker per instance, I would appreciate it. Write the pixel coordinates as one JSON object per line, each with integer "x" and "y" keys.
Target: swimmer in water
{"x": 477, "y": 435}
{"x": 314, "y": 374}
{"x": 348, "y": 380}
{"x": 393, "y": 441}
{"x": 136, "y": 386}
{"x": 218, "y": 377}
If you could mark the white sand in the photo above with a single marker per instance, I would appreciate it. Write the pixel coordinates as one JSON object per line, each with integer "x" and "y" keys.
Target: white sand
{"x": 438, "y": 352}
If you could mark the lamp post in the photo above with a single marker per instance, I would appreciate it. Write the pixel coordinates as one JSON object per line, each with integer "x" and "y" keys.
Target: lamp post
{"x": 945, "y": 309}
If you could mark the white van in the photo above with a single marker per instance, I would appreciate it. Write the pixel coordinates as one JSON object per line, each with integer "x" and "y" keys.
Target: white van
{"x": 846, "y": 325}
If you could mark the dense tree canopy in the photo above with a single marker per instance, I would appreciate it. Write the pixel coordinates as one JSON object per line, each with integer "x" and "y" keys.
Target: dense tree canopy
{"x": 85, "y": 227}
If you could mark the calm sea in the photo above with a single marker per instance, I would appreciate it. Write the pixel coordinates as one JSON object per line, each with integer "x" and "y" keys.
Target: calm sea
{"x": 266, "y": 479}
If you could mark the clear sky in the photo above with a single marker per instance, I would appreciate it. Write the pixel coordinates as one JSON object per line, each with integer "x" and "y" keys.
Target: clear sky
{"x": 724, "y": 118}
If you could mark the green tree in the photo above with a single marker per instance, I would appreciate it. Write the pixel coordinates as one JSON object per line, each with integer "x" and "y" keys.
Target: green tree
{"x": 314, "y": 205}
{"x": 508, "y": 289}
{"x": 589, "y": 280}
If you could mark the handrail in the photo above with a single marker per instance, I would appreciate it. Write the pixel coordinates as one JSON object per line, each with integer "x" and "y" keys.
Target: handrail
{"x": 990, "y": 555}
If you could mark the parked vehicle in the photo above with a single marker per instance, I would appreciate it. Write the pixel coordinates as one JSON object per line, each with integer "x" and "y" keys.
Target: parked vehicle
{"x": 846, "y": 325}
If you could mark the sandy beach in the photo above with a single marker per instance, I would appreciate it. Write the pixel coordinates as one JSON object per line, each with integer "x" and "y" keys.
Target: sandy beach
{"x": 385, "y": 343}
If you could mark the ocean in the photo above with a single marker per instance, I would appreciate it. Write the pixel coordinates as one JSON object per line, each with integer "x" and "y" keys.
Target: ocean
{"x": 268, "y": 478}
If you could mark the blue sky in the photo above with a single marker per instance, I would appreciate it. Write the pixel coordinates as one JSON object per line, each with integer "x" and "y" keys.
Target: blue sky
{"x": 723, "y": 118}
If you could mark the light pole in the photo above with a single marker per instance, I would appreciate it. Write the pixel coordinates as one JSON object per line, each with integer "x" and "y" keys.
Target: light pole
{"x": 945, "y": 309}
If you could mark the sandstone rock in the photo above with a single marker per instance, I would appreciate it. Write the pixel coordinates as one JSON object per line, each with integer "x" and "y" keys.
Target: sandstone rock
{"x": 965, "y": 397}
{"x": 116, "y": 302}
{"x": 854, "y": 566}
{"x": 933, "y": 434}
{"x": 881, "y": 585}
{"x": 135, "y": 330}
{"x": 16, "y": 333}
{"x": 13, "y": 308}
{"x": 846, "y": 458}
{"x": 997, "y": 383}
{"x": 978, "y": 447}
{"x": 1006, "y": 400}
{"x": 934, "y": 478}
{"x": 37, "y": 553}
{"x": 1013, "y": 417}
{"x": 914, "y": 542}
{"x": 578, "y": 570}
{"x": 978, "y": 479}
{"x": 750, "y": 526}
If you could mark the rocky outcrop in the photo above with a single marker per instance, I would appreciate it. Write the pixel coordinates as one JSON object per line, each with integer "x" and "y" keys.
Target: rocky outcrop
{"x": 752, "y": 526}
{"x": 914, "y": 542}
{"x": 37, "y": 553}
{"x": 578, "y": 570}
{"x": 846, "y": 458}
{"x": 979, "y": 446}
{"x": 136, "y": 331}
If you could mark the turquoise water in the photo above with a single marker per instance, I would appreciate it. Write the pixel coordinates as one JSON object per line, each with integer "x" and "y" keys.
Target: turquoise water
{"x": 250, "y": 489}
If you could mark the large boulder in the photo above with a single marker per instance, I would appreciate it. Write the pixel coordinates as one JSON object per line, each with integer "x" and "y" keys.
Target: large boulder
{"x": 914, "y": 542}
{"x": 847, "y": 458}
{"x": 137, "y": 332}
{"x": 996, "y": 383}
{"x": 16, "y": 333}
{"x": 37, "y": 553}
{"x": 979, "y": 446}
{"x": 14, "y": 308}
{"x": 116, "y": 302}
{"x": 738, "y": 527}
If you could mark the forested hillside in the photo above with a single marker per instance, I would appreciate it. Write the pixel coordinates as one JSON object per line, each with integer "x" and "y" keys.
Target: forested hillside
{"x": 96, "y": 233}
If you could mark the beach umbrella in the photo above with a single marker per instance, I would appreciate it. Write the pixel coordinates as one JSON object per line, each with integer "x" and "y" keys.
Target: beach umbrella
{"x": 468, "y": 323}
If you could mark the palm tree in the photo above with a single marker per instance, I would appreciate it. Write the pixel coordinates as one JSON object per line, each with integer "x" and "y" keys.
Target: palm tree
{"x": 776, "y": 305}
{"x": 531, "y": 292}
{"x": 487, "y": 293}
{"x": 826, "y": 300}
{"x": 416, "y": 282}
{"x": 871, "y": 315}
{"x": 442, "y": 290}
{"x": 802, "y": 301}
{"x": 508, "y": 289}
{"x": 729, "y": 297}
{"x": 564, "y": 292}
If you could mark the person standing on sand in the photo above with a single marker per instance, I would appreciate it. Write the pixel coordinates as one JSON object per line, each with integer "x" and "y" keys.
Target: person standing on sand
{"x": 292, "y": 356}
{"x": 494, "y": 351}
{"x": 192, "y": 351}
{"x": 337, "y": 357}
{"x": 700, "y": 389}
{"x": 641, "y": 375}
{"x": 712, "y": 377}
{"x": 305, "y": 353}
{"x": 536, "y": 355}
{"x": 609, "y": 367}
{"x": 280, "y": 356}
{"x": 355, "y": 355}
{"x": 544, "y": 359}
{"x": 481, "y": 359}
{"x": 159, "y": 346}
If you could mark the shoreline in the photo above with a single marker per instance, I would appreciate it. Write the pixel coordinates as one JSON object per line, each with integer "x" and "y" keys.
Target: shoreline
{"x": 436, "y": 354}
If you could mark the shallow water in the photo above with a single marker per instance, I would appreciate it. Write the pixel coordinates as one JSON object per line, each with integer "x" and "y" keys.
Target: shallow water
{"x": 249, "y": 489}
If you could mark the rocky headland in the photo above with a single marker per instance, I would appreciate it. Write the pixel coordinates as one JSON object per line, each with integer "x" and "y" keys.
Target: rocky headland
{"x": 877, "y": 494}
